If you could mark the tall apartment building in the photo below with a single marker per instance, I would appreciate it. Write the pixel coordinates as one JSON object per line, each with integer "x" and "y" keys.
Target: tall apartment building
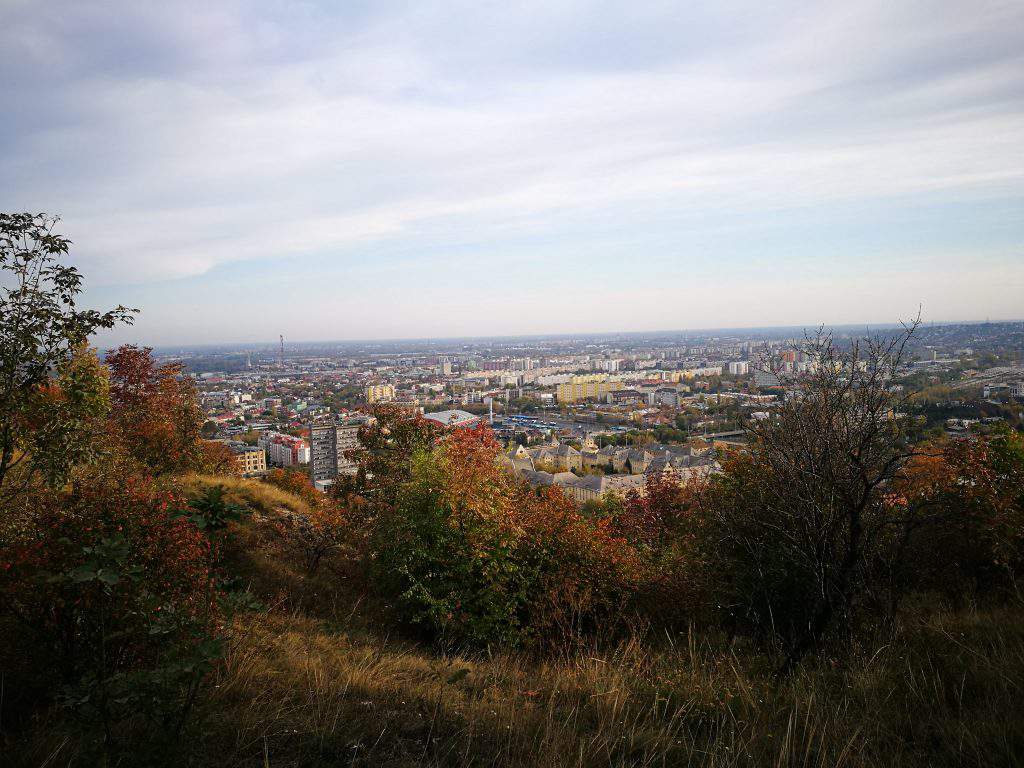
{"x": 740, "y": 368}
{"x": 593, "y": 387}
{"x": 611, "y": 366}
{"x": 380, "y": 393}
{"x": 328, "y": 443}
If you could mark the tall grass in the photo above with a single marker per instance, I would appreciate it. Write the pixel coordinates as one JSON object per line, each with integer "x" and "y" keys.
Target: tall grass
{"x": 301, "y": 692}
{"x": 260, "y": 498}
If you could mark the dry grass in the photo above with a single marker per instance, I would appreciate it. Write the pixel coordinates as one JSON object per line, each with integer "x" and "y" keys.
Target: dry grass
{"x": 302, "y": 692}
{"x": 260, "y": 498}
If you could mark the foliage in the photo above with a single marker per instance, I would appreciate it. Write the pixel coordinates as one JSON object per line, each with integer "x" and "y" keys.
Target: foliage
{"x": 964, "y": 502}
{"x": 473, "y": 557}
{"x": 388, "y": 445}
{"x": 324, "y": 529}
{"x": 111, "y": 586}
{"x": 42, "y": 331}
{"x": 66, "y": 417}
{"x": 799, "y": 521}
{"x": 155, "y": 414}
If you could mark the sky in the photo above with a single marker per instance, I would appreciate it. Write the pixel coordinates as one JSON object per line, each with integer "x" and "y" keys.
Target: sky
{"x": 353, "y": 170}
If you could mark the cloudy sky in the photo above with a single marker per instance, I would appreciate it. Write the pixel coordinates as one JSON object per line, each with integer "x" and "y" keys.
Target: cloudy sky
{"x": 345, "y": 170}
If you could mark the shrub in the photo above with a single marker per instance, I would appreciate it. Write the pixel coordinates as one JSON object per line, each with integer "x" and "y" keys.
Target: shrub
{"x": 965, "y": 503}
{"x": 112, "y": 590}
{"x": 155, "y": 415}
{"x": 322, "y": 530}
{"x": 471, "y": 556}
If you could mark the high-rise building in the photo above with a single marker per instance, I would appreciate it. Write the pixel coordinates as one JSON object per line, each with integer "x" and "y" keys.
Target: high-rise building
{"x": 328, "y": 444}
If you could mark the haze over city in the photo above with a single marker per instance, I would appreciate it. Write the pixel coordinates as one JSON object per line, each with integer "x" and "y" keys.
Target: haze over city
{"x": 409, "y": 170}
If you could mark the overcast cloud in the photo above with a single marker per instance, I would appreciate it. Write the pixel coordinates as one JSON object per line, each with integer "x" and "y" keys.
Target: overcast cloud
{"x": 367, "y": 170}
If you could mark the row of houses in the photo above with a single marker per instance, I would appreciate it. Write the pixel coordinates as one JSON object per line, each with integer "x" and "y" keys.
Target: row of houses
{"x": 627, "y": 468}
{"x": 587, "y": 487}
{"x": 617, "y": 459}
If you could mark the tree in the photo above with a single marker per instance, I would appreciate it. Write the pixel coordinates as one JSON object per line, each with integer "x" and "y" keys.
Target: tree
{"x": 155, "y": 411}
{"x": 41, "y": 332}
{"x": 804, "y": 515}
{"x": 387, "y": 448}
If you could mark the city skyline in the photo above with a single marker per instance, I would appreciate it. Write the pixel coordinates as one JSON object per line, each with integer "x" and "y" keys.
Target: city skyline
{"x": 458, "y": 169}
{"x": 663, "y": 335}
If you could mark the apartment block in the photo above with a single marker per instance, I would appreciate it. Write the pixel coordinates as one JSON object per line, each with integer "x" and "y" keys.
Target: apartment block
{"x": 328, "y": 445}
{"x": 595, "y": 387}
{"x": 380, "y": 393}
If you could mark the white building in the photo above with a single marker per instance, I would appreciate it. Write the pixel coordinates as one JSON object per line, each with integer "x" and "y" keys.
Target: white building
{"x": 739, "y": 368}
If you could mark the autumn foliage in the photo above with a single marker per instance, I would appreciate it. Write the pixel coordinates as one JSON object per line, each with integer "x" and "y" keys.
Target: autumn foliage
{"x": 155, "y": 415}
{"x": 323, "y": 530}
{"x": 472, "y": 555}
{"x": 112, "y": 589}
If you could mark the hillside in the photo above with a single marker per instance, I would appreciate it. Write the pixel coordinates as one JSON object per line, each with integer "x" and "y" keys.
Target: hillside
{"x": 320, "y": 675}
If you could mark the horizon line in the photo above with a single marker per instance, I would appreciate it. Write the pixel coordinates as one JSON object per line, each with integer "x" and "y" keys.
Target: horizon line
{"x": 572, "y": 334}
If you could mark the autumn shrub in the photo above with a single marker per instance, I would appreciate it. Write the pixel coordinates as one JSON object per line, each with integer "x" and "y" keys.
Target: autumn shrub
{"x": 669, "y": 529}
{"x": 964, "y": 501}
{"x": 471, "y": 556}
{"x": 320, "y": 531}
{"x": 155, "y": 415}
{"x": 107, "y": 586}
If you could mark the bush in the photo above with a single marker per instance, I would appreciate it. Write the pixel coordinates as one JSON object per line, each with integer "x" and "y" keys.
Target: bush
{"x": 473, "y": 557}
{"x": 965, "y": 499}
{"x": 322, "y": 530}
{"x": 111, "y": 591}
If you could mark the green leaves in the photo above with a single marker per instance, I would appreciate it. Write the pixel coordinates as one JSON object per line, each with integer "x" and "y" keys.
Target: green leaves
{"x": 211, "y": 512}
{"x": 41, "y": 332}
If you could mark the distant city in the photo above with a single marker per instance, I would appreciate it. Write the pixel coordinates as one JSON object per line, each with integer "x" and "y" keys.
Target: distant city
{"x": 593, "y": 414}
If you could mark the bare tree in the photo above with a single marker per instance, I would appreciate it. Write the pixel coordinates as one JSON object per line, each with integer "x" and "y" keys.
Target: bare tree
{"x": 806, "y": 517}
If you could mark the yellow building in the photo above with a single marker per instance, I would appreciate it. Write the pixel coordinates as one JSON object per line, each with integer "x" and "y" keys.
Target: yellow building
{"x": 592, "y": 387}
{"x": 249, "y": 460}
{"x": 380, "y": 393}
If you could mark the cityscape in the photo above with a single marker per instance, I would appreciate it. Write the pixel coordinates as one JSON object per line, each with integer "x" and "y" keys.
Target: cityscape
{"x": 562, "y": 384}
{"x": 590, "y": 415}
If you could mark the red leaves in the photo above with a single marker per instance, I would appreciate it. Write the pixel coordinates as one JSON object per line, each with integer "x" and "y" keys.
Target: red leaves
{"x": 155, "y": 414}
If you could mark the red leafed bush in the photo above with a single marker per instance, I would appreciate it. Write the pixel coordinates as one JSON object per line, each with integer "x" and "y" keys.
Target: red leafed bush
{"x": 327, "y": 527}
{"x": 155, "y": 415}
{"x": 109, "y": 586}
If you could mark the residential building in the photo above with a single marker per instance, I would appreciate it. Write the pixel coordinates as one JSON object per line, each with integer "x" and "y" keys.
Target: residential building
{"x": 284, "y": 450}
{"x": 249, "y": 459}
{"x": 667, "y": 396}
{"x": 329, "y": 444}
{"x": 380, "y": 393}
{"x": 593, "y": 387}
